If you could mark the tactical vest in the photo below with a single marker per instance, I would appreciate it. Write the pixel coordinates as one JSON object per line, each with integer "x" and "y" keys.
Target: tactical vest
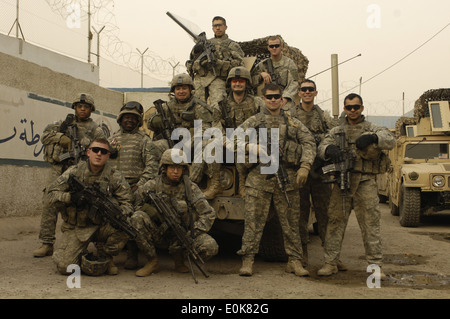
{"x": 242, "y": 111}
{"x": 365, "y": 166}
{"x": 290, "y": 146}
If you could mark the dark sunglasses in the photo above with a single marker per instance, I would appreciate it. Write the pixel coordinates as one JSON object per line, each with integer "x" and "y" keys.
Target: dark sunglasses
{"x": 104, "y": 151}
{"x": 355, "y": 107}
{"x": 307, "y": 89}
{"x": 273, "y": 96}
{"x": 272, "y": 46}
{"x": 133, "y": 105}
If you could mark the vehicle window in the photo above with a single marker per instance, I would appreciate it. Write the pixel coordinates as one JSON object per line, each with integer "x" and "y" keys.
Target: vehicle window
{"x": 427, "y": 151}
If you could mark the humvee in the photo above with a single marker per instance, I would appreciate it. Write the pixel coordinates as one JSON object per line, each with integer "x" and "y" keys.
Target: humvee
{"x": 418, "y": 180}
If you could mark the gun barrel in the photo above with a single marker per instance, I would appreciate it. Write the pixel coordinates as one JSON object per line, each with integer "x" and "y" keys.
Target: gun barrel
{"x": 194, "y": 36}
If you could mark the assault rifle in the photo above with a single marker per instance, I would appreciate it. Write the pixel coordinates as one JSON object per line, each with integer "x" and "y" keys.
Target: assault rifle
{"x": 208, "y": 48}
{"x": 69, "y": 128}
{"x": 275, "y": 76}
{"x": 228, "y": 120}
{"x": 99, "y": 201}
{"x": 281, "y": 174}
{"x": 168, "y": 126}
{"x": 342, "y": 169}
{"x": 170, "y": 217}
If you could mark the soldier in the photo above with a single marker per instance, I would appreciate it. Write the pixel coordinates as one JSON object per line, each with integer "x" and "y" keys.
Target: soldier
{"x": 181, "y": 111}
{"x": 278, "y": 68}
{"x": 209, "y": 81}
{"x": 297, "y": 153}
{"x": 132, "y": 149}
{"x": 197, "y": 215}
{"x": 315, "y": 191}
{"x": 58, "y": 139}
{"x": 365, "y": 142}
{"x": 234, "y": 110}
{"x": 81, "y": 224}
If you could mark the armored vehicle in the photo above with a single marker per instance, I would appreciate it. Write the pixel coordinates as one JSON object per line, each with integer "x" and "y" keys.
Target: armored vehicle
{"x": 418, "y": 181}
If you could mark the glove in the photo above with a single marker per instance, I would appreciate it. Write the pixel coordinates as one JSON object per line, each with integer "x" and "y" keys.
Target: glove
{"x": 156, "y": 123}
{"x": 365, "y": 140}
{"x": 65, "y": 142}
{"x": 78, "y": 198}
{"x": 335, "y": 154}
{"x": 302, "y": 176}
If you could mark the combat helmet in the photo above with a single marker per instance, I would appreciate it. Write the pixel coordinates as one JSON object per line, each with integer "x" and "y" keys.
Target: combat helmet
{"x": 239, "y": 72}
{"x": 94, "y": 266}
{"x": 181, "y": 79}
{"x": 132, "y": 107}
{"x": 177, "y": 159}
{"x": 84, "y": 98}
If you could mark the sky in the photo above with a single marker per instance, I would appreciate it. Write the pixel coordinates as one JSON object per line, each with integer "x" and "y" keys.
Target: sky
{"x": 399, "y": 56}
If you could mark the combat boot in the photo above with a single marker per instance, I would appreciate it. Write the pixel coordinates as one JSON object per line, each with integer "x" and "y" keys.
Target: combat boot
{"x": 341, "y": 266}
{"x": 327, "y": 270}
{"x": 150, "y": 267}
{"x": 215, "y": 188}
{"x": 112, "y": 268}
{"x": 295, "y": 266}
{"x": 44, "y": 250}
{"x": 178, "y": 259}
{"x": 247, "y": 266}
{"x": 132, "y": 256}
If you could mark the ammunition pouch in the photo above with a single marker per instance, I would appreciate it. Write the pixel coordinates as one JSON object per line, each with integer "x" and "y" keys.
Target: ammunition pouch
{"x": 292, "y": 153}
{"x": 187, "y": 116}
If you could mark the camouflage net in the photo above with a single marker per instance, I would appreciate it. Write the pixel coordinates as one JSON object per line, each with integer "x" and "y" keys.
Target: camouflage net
{"x": 421, "y": 105}
{"x": 421, "y": 109}
{"x": 258, "y": 48}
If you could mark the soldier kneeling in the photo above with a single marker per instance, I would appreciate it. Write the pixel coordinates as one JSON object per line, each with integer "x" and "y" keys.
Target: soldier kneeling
{"x": 194, "y": 213}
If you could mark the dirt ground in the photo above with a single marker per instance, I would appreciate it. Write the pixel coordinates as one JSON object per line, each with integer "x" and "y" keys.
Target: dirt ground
{"x": 416, "y": 262}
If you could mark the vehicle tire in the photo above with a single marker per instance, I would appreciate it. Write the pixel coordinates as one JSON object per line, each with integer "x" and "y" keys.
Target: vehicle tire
{"x": 393, "y": 208}
{"x": 409, "y": 207}
{"x": 271, "y": 247}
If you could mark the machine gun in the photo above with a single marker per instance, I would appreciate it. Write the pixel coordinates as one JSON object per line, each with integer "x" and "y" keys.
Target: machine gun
{"x": 170, "y": 217}
{"x": 98, "y": 201}
{"x": 168, "y": 125}
{"x": 206, "y": 46}
{"x": 77, "y": 152}
{"x": 342, "y": 169}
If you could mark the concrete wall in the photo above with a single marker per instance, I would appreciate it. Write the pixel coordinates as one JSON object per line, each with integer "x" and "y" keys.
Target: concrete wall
{"x": 33, "y": 95}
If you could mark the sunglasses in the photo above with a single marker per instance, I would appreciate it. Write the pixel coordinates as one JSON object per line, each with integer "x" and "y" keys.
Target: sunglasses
{"x": 238, "y": 81}
{"x": 355, "y": 107}
{"x": 272, "y": 46}
{"x": 273, "y": 96}
{"x": 307, "y": 89}
{"x": 102, "y": 150}
{"x": 133, "y": 105}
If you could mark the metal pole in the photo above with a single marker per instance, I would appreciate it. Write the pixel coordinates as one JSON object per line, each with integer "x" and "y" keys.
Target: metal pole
{"x": 17, "y": 19}
{"x": 142, "y": 66}
{"x": 89, "y": 31}
{"x": 98, "y": 44}
{"x": 335, "y": 85}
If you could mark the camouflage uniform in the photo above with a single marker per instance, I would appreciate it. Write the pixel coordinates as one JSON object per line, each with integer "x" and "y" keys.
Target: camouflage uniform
{"x": 82, "y": 226}
{"x": 315, "y": 191}
{"x": 229, "y": 54}
{"x": 174, "y": 110}
{"x": 287, "y": 72}
{"x": 150, "y": 224}
{"x": 133, "y": 159}
{"x": 299, "y": 149}
{"x": 363, "y": 197}
{"x": 238, "y": 113}
{"x": 87, "y": 131}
